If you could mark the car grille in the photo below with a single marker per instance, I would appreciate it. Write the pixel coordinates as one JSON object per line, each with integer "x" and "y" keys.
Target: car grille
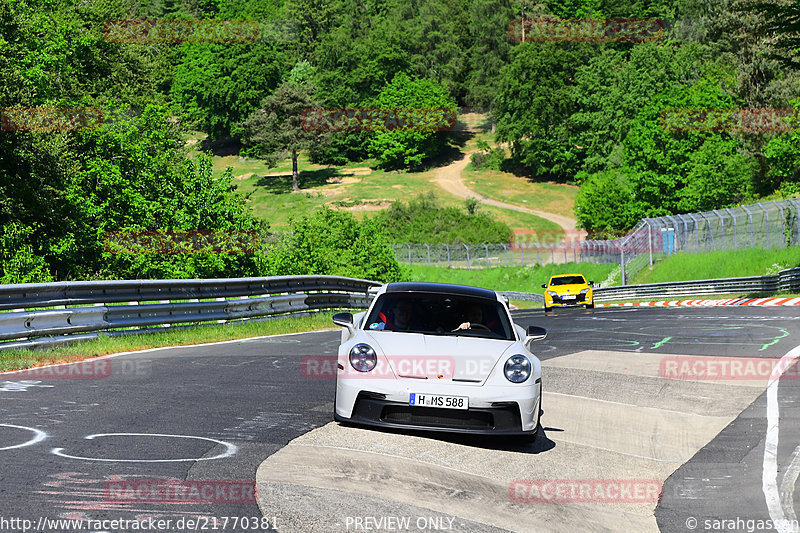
{"x": 431, "y": 416}
{"x": 579, "y": 298}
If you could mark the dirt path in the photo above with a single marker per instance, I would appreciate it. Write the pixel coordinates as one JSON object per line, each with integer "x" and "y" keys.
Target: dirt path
{"x": 449, "y": 178}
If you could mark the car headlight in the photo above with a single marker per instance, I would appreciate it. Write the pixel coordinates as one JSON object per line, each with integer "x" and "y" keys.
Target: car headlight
{"x": 584, "y": 291}
{"x": 362, "y": 357}
{"x": 517, "y": 369}
{"x": 552, "y": 293}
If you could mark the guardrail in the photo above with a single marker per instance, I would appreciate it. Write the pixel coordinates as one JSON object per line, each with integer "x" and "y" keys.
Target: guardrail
{"x": 785, "y": 280}
{"x": 82, "y": 309}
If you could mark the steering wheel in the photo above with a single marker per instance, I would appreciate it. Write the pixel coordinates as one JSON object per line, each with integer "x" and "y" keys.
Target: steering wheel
{"x": 474, "y": 325}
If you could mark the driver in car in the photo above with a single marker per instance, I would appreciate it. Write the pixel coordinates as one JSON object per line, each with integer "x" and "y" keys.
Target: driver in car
{"x": 473, "y": 316}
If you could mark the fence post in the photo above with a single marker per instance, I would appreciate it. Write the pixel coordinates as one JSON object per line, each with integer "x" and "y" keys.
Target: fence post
{"x": 650, "y": 239}
{"x": 538, "y": 259}
{"x": 733, "y": 218}
{"x": 783, "y": 223}
{"x": 429, "y": 253}
{"x": 750, "y": 217}
{"x": 696, "y": 233}
{"x": 622, "y": 261}
{"x": 485, "y": 247}
{"x": 721, "y": 227}
{"x": 409, "y": 254}
{"x": 467, "y": 248}
{"x": 796, "y": 214}
{"x": 447, "y": 247}
{"x": 766, "y": 222}
{"x": 710, "y": 233}
{"x": 505, "y": 255}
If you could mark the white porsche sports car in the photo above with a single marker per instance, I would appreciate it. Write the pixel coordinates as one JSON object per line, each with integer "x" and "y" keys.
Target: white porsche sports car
{"x": 438, "y": 357}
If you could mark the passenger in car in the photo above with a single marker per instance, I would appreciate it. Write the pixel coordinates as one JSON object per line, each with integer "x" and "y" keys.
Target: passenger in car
{"x": 402, "y": 317}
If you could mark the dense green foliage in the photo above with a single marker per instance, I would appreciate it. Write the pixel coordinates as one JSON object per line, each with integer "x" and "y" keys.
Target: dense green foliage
{"x": 332, "y": 242}
{"x": 423, "y": 220}
{"x": 587, "y": 112}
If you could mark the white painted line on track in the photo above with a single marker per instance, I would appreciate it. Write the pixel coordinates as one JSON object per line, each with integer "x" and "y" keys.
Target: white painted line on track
{"x": 769, "y": 478}
{"x": 38, "y": 436}
{"x": 146, "y": 350}
{"x": 230, "y": 449}
{"x": 787, "y": 485}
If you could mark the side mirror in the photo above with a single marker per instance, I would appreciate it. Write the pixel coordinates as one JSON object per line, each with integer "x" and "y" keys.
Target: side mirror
{"x": 343, "y": 319}
{"x": 544, "y": 285}
{"x": 535, "y": 333}
{"x": 591, "y": 283}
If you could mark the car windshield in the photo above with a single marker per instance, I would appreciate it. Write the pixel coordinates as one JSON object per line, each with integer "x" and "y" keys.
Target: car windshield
{"x": 568, "y": 280}
{"x": 440, "y": 314}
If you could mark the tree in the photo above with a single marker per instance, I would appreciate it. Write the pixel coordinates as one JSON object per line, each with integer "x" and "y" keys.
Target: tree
{"x": 536, "y": 98}
{"x": 218, "y": 86}
{"x": 332, "y": 242}
{"x": 406, "y": 147}
{"x": 278, "y": 126}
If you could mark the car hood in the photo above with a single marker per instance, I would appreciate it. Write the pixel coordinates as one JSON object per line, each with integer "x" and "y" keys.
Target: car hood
{"x": 460, "y": 359}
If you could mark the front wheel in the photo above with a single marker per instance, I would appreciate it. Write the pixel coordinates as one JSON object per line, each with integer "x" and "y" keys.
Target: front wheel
{"x": 590, "y": 306}
{"x": 547, "y": 309}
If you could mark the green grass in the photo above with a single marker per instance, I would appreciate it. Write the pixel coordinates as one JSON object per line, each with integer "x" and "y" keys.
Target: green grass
{"x": 549, "y": 197}
{"x": 361, "y": 188}
{"x": 519, "y": 279}
{"x": 20, "y": 359}
{"x": 712, "y": 265}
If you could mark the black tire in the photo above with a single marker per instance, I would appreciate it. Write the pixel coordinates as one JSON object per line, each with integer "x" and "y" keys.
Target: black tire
{"x": 590, "y": 306}
{"x": 547, "y": 309}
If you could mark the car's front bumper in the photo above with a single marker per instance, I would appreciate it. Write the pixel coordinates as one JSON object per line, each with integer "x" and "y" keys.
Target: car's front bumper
{"x": 491, "y": 411}
{"x": 559, "y": 301}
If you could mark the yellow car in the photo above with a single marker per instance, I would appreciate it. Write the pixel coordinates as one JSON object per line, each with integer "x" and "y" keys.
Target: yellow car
{"x": 568, "y": 290}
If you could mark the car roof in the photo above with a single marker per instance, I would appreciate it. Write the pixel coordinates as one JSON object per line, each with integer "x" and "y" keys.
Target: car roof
{"x": 565, "y": 275}
{"x": 442, "y": 288}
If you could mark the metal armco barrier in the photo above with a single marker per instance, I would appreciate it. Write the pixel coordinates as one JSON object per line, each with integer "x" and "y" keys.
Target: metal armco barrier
{"x": 786, "y": 280}
{"x": 106, "y": 306}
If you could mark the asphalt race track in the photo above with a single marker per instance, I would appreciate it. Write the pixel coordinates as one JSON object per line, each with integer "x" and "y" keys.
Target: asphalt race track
{"x": 241, "y": 412}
